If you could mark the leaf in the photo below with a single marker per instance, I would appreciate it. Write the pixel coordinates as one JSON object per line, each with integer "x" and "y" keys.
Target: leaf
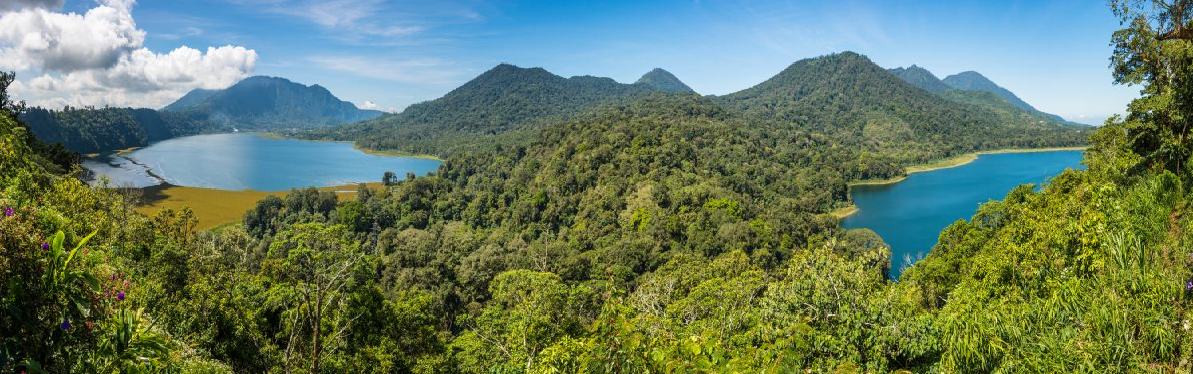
{"x": 77, "y": 246}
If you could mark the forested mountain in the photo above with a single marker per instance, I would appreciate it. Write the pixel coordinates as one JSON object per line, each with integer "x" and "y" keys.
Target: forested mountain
{"x": 841, "y": 99}
{"x": 662, "y": 80}
{"x": 269, "y": 103}
{"x": 973, "y": 81}
{"x": 990, "y": 100}
{"x": 921, "y": 78}
{"x": 503, "y": 99}
{"x": 864, "y": 107}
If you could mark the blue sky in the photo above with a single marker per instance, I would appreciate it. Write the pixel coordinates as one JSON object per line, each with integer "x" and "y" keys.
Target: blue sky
{"x": 1054, "y": 55}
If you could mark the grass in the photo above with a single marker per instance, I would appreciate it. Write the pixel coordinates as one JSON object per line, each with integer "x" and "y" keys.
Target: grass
{"x": 842, "y": 212}
{"x": 215, "y": 208}
{"x": 395, "y": 153}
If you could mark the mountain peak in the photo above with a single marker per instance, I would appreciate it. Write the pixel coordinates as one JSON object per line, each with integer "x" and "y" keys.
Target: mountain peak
{"x": 921, "y": 78}
{"x": 270, "y": 102}
{"x": 663, "y": 80}
{"x": 974, "y": 81}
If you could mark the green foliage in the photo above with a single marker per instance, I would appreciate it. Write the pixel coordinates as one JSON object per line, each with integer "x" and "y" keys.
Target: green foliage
{"x": 492, "y": 107}
{"x": 663, "y": 233}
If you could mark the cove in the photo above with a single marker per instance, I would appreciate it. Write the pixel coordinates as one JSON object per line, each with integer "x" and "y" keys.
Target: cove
{"x": 241, "y": 161}
{"x": 910, "y": 214}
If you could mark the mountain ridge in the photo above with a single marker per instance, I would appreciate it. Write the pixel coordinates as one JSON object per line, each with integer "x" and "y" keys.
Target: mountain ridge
{"x": 264, "y": 102}
{"x": 973, "y": 81}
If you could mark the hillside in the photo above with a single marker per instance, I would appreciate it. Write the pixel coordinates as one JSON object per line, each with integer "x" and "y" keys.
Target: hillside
{"x": 842, "y": 100}
{"x": 862, "y": 106}
{"x": 921, "y": 78}
{"x": 974, "y": 81}
{"x": 269, "y": 103}
{"x": 663, "y": 81}
{"x": 989, "y": 100}
{"x": 504, "y": 99}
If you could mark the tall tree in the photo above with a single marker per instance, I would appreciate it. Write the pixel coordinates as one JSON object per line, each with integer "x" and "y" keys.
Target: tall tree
{"x": 1154, "y": 51}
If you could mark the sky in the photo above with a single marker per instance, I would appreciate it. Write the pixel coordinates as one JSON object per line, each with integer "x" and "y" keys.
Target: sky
{"x": 390, "y": 54}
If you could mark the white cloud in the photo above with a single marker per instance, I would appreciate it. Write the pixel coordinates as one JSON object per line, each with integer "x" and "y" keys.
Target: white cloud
{"x": 98, "y": 58}
{"x": 38, "y": 38}
{"x": 351, "y": 19}
{"x": 374, "y": 106}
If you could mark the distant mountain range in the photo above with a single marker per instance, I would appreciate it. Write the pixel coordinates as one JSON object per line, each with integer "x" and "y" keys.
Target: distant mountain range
{"x": 844, "y": 97}
{"x": 905, "y": 114}
{"x": 270, "y": 103}
{"x": 505, "y": 98}
{"x": 970, "y": 82}
{"x": 255, "y": 103}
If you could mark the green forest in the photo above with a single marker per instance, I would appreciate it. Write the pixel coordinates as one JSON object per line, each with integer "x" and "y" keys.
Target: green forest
{"x": 655, "y": 232}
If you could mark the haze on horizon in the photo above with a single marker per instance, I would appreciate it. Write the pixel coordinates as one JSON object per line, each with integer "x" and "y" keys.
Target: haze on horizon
{"x": 386, "y": 55}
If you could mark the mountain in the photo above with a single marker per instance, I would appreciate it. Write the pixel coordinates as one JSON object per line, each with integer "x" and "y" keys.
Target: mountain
{"x": 506, "y": 98}
{"x": 858, "y": 104}
{"x": 988, "y": 99}
{"x": 974, "y": 81}
{"x": 269, "y": 103}
{"x": 921, "y": 78}
{"x": 662, "y": 80}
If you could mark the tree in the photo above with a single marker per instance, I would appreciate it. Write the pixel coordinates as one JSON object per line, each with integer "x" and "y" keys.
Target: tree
{"x": 529, "y": 312}
{"x": 389, "y": 178}
{"x": 1155, "y": 50}
{"x": 315, "y": 265}
{"x": 7, "y": 104}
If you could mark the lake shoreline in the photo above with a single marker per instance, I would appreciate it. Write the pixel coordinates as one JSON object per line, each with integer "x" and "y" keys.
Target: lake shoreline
{"x": 365, "y": 150}
{"x": 951, "y": 162}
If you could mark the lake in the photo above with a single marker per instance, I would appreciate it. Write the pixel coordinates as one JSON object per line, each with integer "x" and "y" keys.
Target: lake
{"x": 910, "y": 214}
{"x": 243, "y": 161}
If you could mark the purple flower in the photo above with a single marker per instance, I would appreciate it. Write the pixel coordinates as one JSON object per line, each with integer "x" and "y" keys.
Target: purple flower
{"x": 113, "y": 277}
{"x": 120, "y": 296}
{"x": 8, "y": 211}
{"x": 1189, "y": 286}
{"x": 45, "y": 246}
{"x": 65, "y": 325}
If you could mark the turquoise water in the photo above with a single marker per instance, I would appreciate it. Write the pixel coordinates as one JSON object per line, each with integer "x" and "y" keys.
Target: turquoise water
{"x": 247, "y": 161}
{"x": 909, "y": 215}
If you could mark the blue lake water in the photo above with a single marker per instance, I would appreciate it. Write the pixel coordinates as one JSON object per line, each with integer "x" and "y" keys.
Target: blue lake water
{"x": 247, "y": 161}
{"x": 910, "y": 214}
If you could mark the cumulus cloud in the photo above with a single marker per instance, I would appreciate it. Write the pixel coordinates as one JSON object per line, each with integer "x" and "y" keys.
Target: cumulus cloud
{"x": 39, "y": 38}
{"x": 369, "y": 105}
{"x": 98, "y": 58}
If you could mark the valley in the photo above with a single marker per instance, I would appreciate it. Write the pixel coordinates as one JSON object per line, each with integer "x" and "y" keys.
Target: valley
{"x": 799, "y": 198}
